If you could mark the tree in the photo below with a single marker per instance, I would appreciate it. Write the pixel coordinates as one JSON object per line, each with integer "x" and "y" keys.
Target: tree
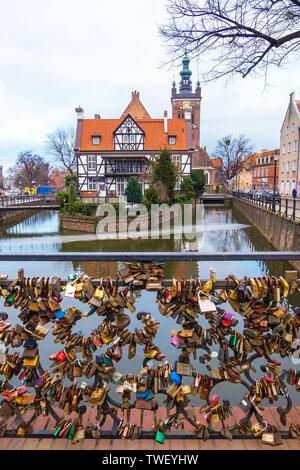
{"x": 151, "y": 195}
{"x": 232, "y": 153}
{"x": 187, "y": 188}
{"x": 71, "y": 179}
{"x": 133, "y": 191}
{"x": 240, "y": 36}
{"x": 165, "y": 170}
{"x": 72, "y": 193}
{"x": 30, "y": 169}
{"x": 60, "y": 144}
{"x": 198, "y": 178}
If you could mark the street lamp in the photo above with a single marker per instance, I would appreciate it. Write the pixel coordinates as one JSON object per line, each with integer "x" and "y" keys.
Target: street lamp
{"x": 275, "y": 158}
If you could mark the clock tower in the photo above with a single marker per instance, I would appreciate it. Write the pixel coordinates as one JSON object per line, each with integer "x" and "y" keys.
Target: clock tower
{"x": 186, "y": 103}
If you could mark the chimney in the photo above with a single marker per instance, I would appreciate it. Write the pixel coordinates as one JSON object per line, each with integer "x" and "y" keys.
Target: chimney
{"x": 79, "y": 111}
{"x": 135, "y": 95}
{"x": 166, "y": 122}
{"x": 97, "y": 116}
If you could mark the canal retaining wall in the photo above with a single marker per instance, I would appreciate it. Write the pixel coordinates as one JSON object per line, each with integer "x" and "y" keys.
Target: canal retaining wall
{"x": 14, "y": 217}
{"x": 281, "y": 232}
{"x": 89, "y": 224}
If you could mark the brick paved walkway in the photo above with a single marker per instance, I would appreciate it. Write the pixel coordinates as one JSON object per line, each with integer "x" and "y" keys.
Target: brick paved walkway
{"x": 144, "y": 419}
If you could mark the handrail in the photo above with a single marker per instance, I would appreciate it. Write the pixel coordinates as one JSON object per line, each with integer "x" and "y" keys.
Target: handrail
{"x": 216, "y": 334}
{"x": 156, "y": 256}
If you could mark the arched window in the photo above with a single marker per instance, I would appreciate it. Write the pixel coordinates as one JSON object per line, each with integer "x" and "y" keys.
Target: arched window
{"x": 206, "y": 178}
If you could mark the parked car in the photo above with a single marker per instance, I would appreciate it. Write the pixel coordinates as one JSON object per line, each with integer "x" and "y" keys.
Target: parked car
{"x": 269, "y": 195}
{"x": 257, "y": 194}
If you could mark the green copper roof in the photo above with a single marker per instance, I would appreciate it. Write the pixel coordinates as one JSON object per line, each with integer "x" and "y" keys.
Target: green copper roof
{"x": 185, "y": 63}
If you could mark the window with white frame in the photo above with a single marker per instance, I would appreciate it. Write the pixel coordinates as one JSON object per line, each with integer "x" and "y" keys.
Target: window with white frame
{"x": 176, "y": 159}
{"x": 96, "y": 139}
{"x": 267, "y": 171}
{"x": 287, "y": 187}
{"x": 282, "y": 167}
{"x": 92, "y": 162}
{"x": 283, "y": 149}
{"x": 262, "y": 172}
{"x": 293, "y": 127}
{"x": 287, "y": 166}
{"x": 294, "y": 165}
{"x": 286, "y": 130}
{"x": 289, "y": 146}
{"x": 92, "y": 184}
{"x": 293, "y": 184}
{"x": 295, "y": 145}
{"x": 172, "y": 140}
{"x": 282, "y": 186}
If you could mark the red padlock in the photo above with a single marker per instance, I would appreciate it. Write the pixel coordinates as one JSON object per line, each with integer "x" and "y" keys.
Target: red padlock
{"x": 226, "y": 323}
{"x": 60, "y": 356}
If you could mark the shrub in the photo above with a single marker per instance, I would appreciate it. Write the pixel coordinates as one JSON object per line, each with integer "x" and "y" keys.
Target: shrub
{"x": 133, "y": 191}
{"x": 62, "y": 197}
{"x": 151, "y": 195}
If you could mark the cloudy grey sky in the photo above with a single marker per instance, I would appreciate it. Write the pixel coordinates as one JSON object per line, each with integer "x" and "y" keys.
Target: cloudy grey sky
{"x": 57, "y": 55}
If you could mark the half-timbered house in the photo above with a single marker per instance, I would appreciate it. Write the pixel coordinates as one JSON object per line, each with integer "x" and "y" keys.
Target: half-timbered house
{"x": 110, "y": 151}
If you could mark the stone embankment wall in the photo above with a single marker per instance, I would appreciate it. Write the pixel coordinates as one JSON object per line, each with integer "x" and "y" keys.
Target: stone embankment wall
{"x": 14, "y": 217}
{"x": 281, "y": 232}
{"x": 89, "y": 224}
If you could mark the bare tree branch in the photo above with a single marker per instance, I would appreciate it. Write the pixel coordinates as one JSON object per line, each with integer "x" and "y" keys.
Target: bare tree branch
{"x": 237, "y": 36}
{"x": 60, "y": 144}
{"x": 30, "y": 169}
{"x": 232, "y": 153}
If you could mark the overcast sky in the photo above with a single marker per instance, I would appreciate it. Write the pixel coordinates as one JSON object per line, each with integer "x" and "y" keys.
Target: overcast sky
{"x": 60, "y": 54}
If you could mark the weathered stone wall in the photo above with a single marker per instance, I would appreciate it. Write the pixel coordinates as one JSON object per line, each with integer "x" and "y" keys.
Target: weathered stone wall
{"x": 282, "y": 233}
{"x": 78, "y": 223}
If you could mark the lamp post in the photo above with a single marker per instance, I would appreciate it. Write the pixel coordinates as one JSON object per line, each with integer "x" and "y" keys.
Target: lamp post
{"x": 275, "y": 158}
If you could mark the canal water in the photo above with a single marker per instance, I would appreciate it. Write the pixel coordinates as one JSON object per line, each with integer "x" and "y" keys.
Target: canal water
{"x": 221, "y": 230}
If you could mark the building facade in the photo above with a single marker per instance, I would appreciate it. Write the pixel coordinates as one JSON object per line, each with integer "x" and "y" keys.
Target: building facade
{"x": 263, "y": 170}
{"x": 210, "y": 166}
{"x": 1, "y": 177}
{"x": 110, "y": 151}
{"x": 186, "y": 103}
{"x": 289, "y": 148}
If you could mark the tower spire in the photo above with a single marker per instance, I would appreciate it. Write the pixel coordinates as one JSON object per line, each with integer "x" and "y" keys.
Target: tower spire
{"x": 185, "y": 85}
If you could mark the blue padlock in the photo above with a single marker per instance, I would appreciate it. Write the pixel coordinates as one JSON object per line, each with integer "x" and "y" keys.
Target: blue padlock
{"x": 59, "y": 314}
{"x": 174, "y": 377}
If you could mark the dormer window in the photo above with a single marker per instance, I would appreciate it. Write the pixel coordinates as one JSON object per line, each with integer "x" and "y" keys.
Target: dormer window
{"x": 96, "y": 139}
{"x": 172, "y": 140}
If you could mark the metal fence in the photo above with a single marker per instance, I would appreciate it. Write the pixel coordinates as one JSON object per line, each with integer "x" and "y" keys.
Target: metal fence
{"x": 22, "y": 200}
{"x": 109, "y": 405}
{"x": 284, "y": 206}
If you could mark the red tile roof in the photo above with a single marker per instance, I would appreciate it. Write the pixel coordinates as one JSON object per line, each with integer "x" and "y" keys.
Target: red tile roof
{"x": 136, "y": 109}
{"x": 217, "y": 162}
{"x": 155, "y": 137}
